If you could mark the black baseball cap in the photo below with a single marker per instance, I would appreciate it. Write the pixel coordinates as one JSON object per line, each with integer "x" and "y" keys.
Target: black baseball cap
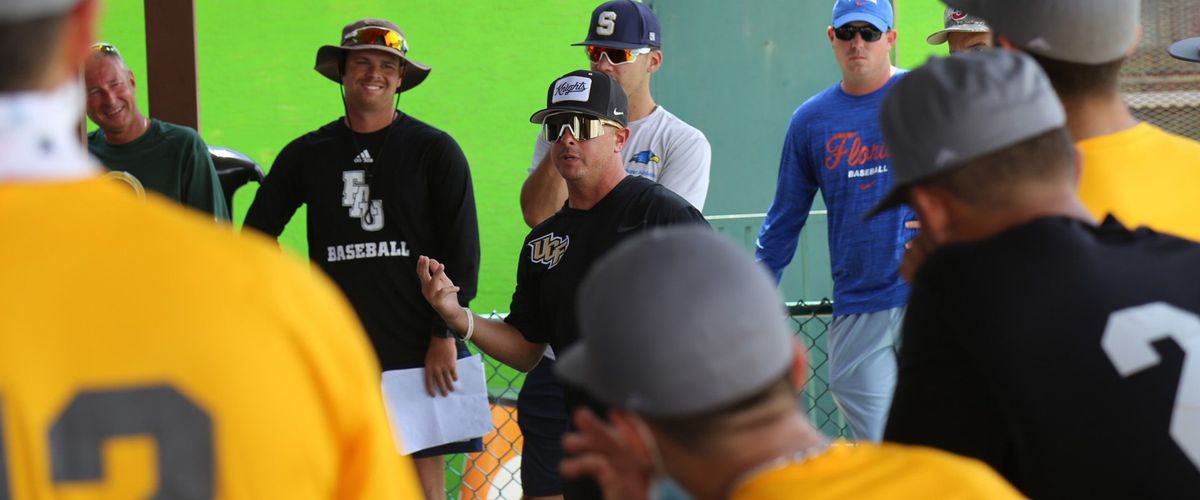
{"x": 588, "y": 92}
{"x": 623, "y": 24}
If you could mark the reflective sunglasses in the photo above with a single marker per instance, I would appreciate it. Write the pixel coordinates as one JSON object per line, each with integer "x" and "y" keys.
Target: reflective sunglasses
{"x": 105, "y": 48}
{"x": 615, "y": 56}
{"x": 375, "y": 35}
{"x": 869, "y": 33}
{"x": 583, "y": 127}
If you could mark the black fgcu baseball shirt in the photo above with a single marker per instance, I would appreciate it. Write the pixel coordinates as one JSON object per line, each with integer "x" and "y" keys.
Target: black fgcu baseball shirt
{"x": 376, "y": 202}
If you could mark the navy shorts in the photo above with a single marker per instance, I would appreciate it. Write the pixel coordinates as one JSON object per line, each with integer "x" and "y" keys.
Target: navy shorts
{"x": 542, "y": 417}
{"x": 472, "y": 445}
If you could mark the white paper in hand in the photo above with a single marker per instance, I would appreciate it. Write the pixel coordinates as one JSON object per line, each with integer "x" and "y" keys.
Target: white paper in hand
{"x": 420, "y": 421}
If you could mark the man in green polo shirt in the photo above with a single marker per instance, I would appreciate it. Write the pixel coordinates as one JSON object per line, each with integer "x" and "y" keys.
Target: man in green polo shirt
{"x": 169, "y": 159}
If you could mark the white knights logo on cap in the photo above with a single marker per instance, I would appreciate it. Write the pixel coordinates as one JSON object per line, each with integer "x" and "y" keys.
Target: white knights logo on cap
{"x": 572, "y": 88}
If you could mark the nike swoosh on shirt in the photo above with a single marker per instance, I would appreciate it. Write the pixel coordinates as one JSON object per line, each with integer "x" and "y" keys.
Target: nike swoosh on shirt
{"x": 864, "y": 187}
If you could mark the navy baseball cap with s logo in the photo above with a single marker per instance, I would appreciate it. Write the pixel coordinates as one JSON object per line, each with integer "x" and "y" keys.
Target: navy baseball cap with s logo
{"x": 623, "y": 24}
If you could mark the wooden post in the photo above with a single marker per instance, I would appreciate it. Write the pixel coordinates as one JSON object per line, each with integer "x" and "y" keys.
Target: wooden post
{"x": 171, "y": 61}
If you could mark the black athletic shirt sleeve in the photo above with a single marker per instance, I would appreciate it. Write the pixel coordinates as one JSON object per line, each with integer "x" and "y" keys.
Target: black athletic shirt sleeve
{"x": 456, "y": 224}
{"x": 280, "y": 193}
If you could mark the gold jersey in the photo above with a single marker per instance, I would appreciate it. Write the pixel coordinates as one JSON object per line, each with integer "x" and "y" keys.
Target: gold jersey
{"x": 147, "y": 353}
{"x": 1145, "y": 177}
{"x": 885, "y": 471}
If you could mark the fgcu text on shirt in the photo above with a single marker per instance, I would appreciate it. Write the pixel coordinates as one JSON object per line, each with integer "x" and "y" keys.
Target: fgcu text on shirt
{"x": 834, "y": 143}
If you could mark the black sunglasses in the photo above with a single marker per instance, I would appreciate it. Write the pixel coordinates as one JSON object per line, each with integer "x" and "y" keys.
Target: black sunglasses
{"x": 869, "y": 33}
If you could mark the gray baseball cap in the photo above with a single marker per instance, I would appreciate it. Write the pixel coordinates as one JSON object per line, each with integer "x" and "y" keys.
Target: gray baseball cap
{"x": 955, "y": 109}
{"x": 24, "y": 10}
{"x": 1078, "y": 31}
{"x": 1186, "y": 50}
{"x": 712, "y": 333}
{"x": 957, "y": 21}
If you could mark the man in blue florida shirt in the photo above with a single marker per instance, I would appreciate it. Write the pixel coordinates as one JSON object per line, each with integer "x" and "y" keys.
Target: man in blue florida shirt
{"x": 834, "y": 143}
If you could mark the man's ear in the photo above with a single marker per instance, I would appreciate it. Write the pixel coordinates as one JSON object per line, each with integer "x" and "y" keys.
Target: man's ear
{"x": 799, "y": 369}
{"x": 829, "y": 33}
{"x": 933, "y": 211}
{"x": 622, "y": 137}
{"x": 656, "y": 60}
{"x": 1004, "y": 43}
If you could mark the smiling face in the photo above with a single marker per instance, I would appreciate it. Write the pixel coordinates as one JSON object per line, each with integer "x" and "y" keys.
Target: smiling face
{"x": 111, "y": 96}
{"x": 371, "y": 78}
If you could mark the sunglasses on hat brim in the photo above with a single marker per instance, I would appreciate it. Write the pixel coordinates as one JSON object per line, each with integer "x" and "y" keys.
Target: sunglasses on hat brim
{"x": 375, "y": 35}
{"x": 868, "y": 33}
{"x": 105, "y": 48}
{"x": 615, "y": 56}
{"x": 582, "y": 127}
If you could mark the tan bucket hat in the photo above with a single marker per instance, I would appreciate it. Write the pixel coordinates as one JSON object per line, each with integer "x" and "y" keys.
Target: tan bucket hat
{"x": 371, "y": 34}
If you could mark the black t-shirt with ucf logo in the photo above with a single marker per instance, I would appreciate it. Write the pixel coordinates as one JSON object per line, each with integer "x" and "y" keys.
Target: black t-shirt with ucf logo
{"x": 376, "y": 202}
{"x": 559, "y": 252}
{"x": 1065, "y": 356}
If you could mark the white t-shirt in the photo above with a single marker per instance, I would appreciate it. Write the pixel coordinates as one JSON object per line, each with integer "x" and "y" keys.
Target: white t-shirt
{"x": 664, "y": 149}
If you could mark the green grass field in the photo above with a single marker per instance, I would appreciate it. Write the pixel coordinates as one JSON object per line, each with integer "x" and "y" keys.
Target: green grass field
{"x": 491, "y": 65}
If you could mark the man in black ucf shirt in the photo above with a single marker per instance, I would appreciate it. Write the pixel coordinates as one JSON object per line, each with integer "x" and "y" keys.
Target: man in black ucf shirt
{"x": 1054, "y": 349}
{"x": 382, "y": 188}
{"x": 585, "y": 120}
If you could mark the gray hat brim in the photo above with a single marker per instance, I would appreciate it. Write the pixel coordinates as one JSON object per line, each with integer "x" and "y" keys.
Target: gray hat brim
{"x": 1187, "y": 49}
{"x": 939, "y": 37}
{"x": 575, "y": 367}
{"x": 24, "y": 10}
{"x": 327, "y": 64}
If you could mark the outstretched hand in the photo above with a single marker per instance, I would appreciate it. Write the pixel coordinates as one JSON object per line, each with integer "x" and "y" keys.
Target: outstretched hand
{"x": 611, "y": 454}
{"x": 437, "y": 288}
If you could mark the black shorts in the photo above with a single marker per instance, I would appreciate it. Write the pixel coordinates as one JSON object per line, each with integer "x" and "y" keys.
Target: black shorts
{"x": 472, "y": 445}
{"x": 542, "y": 417}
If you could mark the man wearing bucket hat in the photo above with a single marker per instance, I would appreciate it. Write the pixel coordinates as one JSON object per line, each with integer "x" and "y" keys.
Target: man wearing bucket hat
{"x": 833, "y": 144}
{"x": 1131, "y": 169}
{"x": 126, "y": 374}
{"x": 382, "y": 187}
{"x": 703, "y": 384}
{"x": 624, "y": 41}
{"x": 1033, "y": 335}
{"x": 962, "y": 32}
{"x": 586, "y": 119}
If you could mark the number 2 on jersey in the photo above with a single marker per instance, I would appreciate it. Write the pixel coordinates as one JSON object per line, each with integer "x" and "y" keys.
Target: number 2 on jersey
{"x": 182, "y": 432}
{"x": 1127, "y": 341}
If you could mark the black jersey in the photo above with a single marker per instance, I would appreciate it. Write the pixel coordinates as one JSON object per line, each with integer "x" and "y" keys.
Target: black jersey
{"x": 376, "y": 202}
{"x": 559, "y": 252}
{"x": 1055, "y": 352}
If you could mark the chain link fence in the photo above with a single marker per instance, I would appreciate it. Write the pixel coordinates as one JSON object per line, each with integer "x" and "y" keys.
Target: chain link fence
{"x": 494, "y": 473}
{"x": 1158, "y": 88}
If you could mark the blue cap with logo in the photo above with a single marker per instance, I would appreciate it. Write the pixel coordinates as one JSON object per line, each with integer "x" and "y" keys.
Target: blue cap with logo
{"x": 623, "y": 24}
{"x": 877, "y": 13}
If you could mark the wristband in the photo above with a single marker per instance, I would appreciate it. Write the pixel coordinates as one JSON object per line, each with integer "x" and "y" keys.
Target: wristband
{"x": 470, "y": 324}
